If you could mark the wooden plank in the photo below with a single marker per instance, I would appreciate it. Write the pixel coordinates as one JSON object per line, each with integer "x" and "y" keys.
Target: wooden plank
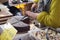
{"x": 3, "y": 22}
{"x": 4, "y": 19}
{"x": 2, "y": 14}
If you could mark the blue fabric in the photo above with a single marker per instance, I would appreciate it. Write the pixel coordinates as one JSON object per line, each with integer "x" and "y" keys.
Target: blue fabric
{"x": 44, "y": 5}
{"x": 47, "y": 6}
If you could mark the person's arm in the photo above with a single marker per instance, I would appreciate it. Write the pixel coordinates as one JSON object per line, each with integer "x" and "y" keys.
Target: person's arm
{"x": 51, "y": 18}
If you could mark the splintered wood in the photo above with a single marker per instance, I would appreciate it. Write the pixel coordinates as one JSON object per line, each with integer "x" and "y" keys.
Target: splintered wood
{"x": 4, "y": 14}
{"x": 40, "y": 34}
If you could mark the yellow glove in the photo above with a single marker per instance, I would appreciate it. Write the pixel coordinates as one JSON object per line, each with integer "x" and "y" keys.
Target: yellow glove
{"x": 36, "y": 1}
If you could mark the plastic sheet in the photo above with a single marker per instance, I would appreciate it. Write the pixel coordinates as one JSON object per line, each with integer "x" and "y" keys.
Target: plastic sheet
{"x": 8, "y": 32}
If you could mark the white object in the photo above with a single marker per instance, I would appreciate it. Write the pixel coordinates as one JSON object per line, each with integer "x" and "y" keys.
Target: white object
{"x": 1, "y": 29}
{"x": 3, "y": 8}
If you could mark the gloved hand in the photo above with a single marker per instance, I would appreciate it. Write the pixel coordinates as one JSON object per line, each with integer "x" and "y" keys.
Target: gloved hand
{"x": 31, "y": 14}
{"x": 34, "y": 6}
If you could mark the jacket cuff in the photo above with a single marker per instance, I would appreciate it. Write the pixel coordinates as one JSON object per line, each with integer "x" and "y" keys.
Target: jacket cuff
{"x": 41, "y": 16}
